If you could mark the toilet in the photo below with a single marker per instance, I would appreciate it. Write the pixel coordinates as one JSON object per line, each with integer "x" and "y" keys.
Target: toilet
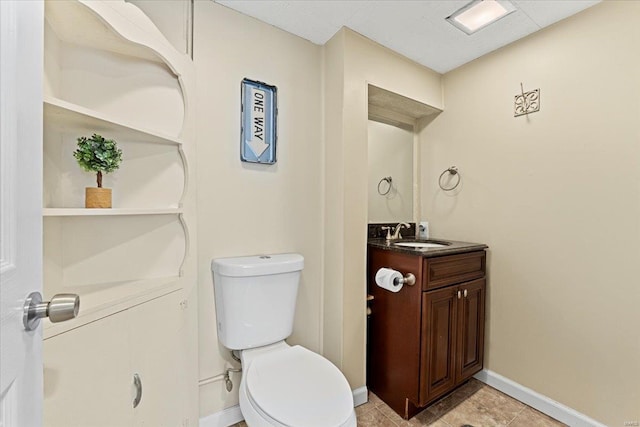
{"x": 282, "y": 385}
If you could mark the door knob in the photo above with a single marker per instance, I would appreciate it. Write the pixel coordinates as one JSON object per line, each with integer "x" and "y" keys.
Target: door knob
{"x": 61, "y": 307}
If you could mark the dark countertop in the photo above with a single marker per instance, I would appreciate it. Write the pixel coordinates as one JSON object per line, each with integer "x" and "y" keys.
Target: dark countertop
{"x": 454, "y": 247}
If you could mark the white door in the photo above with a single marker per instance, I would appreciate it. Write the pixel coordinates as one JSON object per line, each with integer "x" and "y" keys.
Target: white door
{"x": 21, "y": 51}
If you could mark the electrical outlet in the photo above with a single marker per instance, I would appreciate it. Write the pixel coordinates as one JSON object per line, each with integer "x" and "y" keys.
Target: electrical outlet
{"x": 423, "y": 230}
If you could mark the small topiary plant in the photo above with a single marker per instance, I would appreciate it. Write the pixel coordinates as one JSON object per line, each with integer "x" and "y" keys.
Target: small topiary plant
{"x": 99, "y": 155}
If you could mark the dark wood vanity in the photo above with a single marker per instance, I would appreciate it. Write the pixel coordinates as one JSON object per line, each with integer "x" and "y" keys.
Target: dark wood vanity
{"x": 426, "y": 339}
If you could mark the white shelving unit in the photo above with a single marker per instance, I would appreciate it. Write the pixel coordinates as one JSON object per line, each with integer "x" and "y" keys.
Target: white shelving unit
{"x": 108, "y": 212}
{"x": 109, "y": 298}
{"x": 66, "y": 116}
{"x": 75, "y": 22}
{"x": 109, "y": 70}
{"x": 87, "y": 44}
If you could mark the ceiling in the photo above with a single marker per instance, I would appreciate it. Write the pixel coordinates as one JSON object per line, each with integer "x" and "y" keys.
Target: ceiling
{"x": 415, "y": 29}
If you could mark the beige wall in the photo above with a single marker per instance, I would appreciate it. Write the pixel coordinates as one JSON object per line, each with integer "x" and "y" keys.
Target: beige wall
{"x": 556, "y": 196}
{"x": 351, "y": 63}
{"x": 246, "y": 209}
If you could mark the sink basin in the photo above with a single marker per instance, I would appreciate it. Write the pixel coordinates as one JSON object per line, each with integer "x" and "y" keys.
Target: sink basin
{"x": 421, "y": 245}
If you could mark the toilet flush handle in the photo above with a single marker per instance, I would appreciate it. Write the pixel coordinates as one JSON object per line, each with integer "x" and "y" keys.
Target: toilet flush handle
{"x": 227, "y": 379}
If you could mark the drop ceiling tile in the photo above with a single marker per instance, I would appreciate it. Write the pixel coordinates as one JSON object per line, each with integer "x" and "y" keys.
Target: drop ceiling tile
{"x": 330, "y": 11}
{"x": 384, "y": 21}
{"x": 415, "y": 29}
{"x": 552, "y": 11}
{"x": 282, "y": 15}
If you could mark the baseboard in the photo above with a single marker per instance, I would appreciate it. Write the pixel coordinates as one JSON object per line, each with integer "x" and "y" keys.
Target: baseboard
{"x": 360, "y": 396}
{"x": 230, "y": 416}
{"x": 225, "y": 418}
{"x": 536, "y": 400}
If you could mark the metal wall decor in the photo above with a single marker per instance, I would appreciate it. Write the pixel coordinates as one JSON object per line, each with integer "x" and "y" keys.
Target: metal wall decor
{"x": 258, "y": 133}
{"x": 526, "y": 102}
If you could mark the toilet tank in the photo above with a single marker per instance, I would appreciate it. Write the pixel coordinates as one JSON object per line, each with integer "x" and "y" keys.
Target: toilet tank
{"x": 255, "y": 298}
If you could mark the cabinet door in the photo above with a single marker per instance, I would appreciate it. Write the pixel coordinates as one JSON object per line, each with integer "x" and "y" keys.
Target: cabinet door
{"x": 470, "y": 348}
{"x": 437, "y": 364}
{"x": 89, "y": 371}
{"x": 86, "y": 376}
{"x": 157, "y": 357}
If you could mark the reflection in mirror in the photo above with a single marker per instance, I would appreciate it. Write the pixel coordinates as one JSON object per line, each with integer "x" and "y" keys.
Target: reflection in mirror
{"x": 390, "y": 154}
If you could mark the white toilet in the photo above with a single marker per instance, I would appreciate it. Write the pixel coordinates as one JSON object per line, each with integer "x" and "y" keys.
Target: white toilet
{"x": 281, "y": 385}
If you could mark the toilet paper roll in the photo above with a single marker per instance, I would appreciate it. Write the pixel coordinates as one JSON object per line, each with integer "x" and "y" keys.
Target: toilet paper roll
{"x": 385, "y": 278}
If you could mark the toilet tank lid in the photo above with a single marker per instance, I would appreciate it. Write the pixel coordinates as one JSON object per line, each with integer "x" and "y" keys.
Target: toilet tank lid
{"x": 257, "y": 265}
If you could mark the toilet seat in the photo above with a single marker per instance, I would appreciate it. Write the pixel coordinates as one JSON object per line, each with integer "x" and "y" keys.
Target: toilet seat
{"x": 299, "y": 388}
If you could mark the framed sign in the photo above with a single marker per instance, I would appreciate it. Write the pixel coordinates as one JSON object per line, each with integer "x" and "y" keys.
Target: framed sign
{"x": 258, "y": 133}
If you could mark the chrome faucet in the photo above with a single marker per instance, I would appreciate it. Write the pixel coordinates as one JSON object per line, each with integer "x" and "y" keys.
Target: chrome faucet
{"x": 396, "y": 231}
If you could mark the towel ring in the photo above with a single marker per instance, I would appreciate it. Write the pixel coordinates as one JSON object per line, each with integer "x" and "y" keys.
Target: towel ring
{"x": 453, "y": 171}
{"x": 388, "y": 180}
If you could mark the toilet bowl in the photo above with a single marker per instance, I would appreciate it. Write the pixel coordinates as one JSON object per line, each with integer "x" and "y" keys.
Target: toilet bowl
{"x": 293, "y": 386}
{"x": 282, "y": 385}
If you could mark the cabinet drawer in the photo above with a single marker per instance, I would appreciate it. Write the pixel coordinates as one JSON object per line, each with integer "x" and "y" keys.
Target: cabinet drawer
{"x": 452, "y": 269}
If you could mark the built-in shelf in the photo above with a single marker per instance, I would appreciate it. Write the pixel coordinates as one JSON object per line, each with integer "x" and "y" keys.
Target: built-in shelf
{"x": 136, "y": 260}
{"x": 108, "y": 212}
{"x": 109, "y": 70}
{"x": 397, "y": 110}
{"x": 75, "y": 22}
{"x": 102, "y": 300}
{"x": 63, "y": 115}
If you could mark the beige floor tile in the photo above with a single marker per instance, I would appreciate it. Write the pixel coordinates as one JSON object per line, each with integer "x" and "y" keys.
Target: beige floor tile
{"x": 436, "y": 423}
{"x": 532, "y": 418}
{"x": 374, "y": 418}
{"x": 429, "y": 418}
{"x": 375, "y": 399}
{"x": 469, "y": 414}
{"x": 497, "y": 401}
{"x": 447, "y": 403}
{"x": 424, "y": 418}
{"x": 393, "y": 416}
{"x": 472, "y": 386}
{"x": 365, "y": 408}
{"x": 486, "y": 407}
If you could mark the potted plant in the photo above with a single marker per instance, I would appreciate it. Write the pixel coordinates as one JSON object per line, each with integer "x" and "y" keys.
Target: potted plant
{"x": 100, "y": 155}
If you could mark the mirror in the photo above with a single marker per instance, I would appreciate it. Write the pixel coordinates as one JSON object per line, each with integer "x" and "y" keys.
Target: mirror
{"x": 393, "y": 167}
{"x": 390, "y": 173}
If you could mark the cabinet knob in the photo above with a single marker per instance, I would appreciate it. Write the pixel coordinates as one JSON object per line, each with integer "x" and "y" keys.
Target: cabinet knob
{"x": 459, "y": 294}
{"x": 137, "y": 382}
{"x": 465, "y": 293}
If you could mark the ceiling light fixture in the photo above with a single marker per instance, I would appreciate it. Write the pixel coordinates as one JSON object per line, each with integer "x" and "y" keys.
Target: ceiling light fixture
{"x": 480, "y": 13}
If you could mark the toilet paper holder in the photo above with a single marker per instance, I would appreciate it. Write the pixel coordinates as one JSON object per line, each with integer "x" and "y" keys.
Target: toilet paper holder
{"x": 408, "y": 279}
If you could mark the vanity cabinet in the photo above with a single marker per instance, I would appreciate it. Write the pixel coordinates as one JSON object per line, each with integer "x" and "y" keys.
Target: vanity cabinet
{"x": 426, "y": 339}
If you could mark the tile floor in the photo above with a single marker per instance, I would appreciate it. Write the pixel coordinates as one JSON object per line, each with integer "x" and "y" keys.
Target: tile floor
{"x": 474, "y": 404}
